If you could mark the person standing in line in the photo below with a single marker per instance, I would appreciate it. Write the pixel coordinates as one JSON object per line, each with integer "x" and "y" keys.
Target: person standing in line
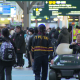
{"x": 40, "y": 51}
{"x": 20, "y": 45}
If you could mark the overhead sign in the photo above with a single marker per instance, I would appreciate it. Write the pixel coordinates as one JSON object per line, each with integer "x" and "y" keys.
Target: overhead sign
{"x": 38, "y": 0}
{"x": 52, "y": 8}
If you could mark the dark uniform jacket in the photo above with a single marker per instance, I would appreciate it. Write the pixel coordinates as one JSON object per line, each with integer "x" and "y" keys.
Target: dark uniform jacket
{"x": 43, "y": 49}
{"x": 10, "y": 63}
{"x": 20, "y": 42}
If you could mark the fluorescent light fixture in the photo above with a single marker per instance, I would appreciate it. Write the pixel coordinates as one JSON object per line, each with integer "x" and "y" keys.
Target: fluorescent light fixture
{"x": 39, "y": 19}
{"x": 70, "y": 19}
{"x": 32, "y": 19}
{"x": 22, "y": 15}
{"x": 55, "y": 19}
{"x": 76, "y": 19}
{"x": 9, "y": 18}
{"x": 2, "y": 19}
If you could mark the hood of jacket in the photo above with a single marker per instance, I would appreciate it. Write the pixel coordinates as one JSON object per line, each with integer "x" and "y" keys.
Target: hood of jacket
{"x": 53, "y": 30}
{"x": 64, "y": 31}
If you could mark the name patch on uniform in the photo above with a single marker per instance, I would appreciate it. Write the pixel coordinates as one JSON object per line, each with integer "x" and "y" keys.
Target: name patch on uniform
{"x": 40, "y": 37}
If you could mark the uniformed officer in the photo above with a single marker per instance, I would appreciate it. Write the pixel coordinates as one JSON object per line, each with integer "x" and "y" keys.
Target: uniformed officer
{"x": 40, "y": 49}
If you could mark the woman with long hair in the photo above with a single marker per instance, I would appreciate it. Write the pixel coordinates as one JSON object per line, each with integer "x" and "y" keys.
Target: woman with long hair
{"x": 6, "y": 66}
{"x": 41, "y": 48}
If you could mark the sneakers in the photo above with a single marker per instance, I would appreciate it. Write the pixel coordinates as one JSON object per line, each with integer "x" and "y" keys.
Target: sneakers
{"x": 19, "y": 67}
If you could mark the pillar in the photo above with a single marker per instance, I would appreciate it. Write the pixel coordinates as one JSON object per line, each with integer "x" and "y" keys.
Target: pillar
{"x": 79, "y": 20}
{"x": 29, "y": 20}
{"x": 25, "y": 15}
{"x": 65, "y": 21}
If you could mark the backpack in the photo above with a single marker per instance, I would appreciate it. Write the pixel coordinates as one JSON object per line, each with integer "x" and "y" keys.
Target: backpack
{"x": 7, "y": 52}
{"x": 54, "y": 42}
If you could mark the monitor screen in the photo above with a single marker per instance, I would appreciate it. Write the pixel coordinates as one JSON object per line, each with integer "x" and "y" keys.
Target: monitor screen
{"x": 6, "y": 9}
{"x": 13, "y": 10}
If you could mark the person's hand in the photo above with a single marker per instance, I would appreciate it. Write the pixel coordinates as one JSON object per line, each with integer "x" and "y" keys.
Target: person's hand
{"x": 52, "y": 61}
{"x": 32, "y": 60}
{"x": 18, "y": 49}
{"x": 73, "y": 43}
{"x": 29, "y": 52}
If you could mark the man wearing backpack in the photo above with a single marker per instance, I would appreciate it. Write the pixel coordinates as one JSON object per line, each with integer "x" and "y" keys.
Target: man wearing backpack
{"x": 7, "y": 55}
{"x": 20, "y": 45}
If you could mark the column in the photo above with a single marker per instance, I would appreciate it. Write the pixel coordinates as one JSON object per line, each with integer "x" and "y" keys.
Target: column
{"x": 29, "y": 20}
{"x": 65, "y": 21}
{"x": 25, "y": 15}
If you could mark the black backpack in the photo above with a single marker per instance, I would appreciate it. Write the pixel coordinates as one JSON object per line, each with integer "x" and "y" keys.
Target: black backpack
{"x": 7, "y": 52}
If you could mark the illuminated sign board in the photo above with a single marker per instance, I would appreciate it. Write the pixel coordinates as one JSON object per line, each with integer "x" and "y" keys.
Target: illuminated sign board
{"x": 38, "y": 0}
{"x": 52, "y": 8}
{"x": 6, "y": 9}
{"x": 1, "y": 8}
{"x": 13, "y": 10}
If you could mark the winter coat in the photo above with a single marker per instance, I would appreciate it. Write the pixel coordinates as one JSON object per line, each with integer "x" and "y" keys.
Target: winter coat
{"x": 53, "y": 34}
{"x": 27, "y": 39}
{"x": 64, "y": 36}
{"x": 20, "y": 42}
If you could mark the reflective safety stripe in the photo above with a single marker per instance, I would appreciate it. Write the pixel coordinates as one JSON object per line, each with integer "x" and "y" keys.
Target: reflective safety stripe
{"x": 75, "y": 32}
{"x": 41, "y": 48}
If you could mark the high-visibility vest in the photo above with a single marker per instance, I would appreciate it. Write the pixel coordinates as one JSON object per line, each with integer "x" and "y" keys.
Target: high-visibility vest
{"x": 59, "y": 31}
{"x": 75, "y": 32}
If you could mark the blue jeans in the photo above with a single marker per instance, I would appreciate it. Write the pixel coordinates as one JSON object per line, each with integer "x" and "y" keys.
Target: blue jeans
{"x": 41, "y": 62}
{"x": 5, "y": 71}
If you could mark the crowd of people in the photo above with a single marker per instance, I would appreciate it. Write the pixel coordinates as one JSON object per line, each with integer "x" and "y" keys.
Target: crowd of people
{"x": 36, "y": 44}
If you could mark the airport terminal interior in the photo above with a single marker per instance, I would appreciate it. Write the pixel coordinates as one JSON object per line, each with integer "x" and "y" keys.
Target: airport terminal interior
{"x": 30, "y": 14}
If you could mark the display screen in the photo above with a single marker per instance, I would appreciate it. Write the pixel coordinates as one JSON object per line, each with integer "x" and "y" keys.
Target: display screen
{"x": 6, "y": 9}
{"x": 1, "y": 8}
{"x": 13, "y": 10}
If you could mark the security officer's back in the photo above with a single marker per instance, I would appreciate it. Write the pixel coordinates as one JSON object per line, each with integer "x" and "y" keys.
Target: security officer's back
{"x": 40, "y": 49}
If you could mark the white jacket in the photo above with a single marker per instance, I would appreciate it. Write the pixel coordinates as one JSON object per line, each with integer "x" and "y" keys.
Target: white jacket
{"x": 27, "y": 39}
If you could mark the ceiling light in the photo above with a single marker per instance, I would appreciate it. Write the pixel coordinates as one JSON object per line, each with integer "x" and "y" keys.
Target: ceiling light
{"x": 2, "y": 19}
